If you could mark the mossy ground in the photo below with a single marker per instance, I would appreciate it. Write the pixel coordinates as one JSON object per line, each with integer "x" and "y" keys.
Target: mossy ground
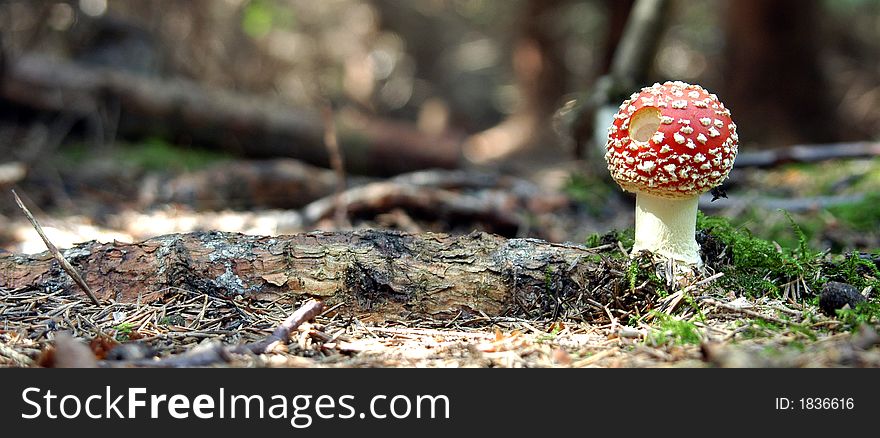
{"x": 751, "y": 269}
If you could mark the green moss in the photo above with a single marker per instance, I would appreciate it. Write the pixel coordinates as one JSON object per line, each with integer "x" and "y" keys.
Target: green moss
{"x": 865, "y": 313}
{"x": 758, "y": 266}
{"x": 123, "y": 331}
{"x": 669, "y": 330}
{"x": 641, "y": 270}
{"x": 854, "y": 270}
{"x": 625, "y": 237}
{"x": 548, "y": 279}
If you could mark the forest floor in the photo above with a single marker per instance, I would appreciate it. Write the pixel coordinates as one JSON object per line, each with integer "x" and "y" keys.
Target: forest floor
{"x": 742, "y": 334}
{"x": 740, "y": 314}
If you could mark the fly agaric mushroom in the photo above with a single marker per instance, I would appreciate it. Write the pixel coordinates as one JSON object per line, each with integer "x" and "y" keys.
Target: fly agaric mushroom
{"x": 668, "y": 144}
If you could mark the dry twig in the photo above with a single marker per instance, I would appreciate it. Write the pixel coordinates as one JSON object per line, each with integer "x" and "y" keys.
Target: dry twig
{"x": 337, "y": 162}
{"x": 55, "y": 252}
{"x": 743, "y": 311}
{"x": 281, "y": 335}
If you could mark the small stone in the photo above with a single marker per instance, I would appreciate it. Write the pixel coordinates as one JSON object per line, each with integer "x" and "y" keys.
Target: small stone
{"x": 130, "y": 351}
{"x": 836, "y": 295}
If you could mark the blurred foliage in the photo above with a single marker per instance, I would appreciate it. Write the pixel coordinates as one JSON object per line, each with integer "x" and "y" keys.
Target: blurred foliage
{"x": 152, "y": 154}
{"x": 589, "y": 192}
{"x": 261, "y": 16}
{"x": 391, "y": 57}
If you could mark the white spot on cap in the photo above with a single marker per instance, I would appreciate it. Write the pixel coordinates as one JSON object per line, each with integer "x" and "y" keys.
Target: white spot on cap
{"x": 699, "y": 158}
{"x": 669, "y": 168}
{"x": 646, "y": 166}
{"x": 701, "y": 138}
{"x": 679, "y": 104}
{"x": 678, "y": 138}
{"x": 706, "y": 121}
{"x": 666, "y": 120}
{"x": 657, "y": 137}
{"x": 713, "y": 132}
{"x": 687, "y": 130}
{"x": 694, "y": 94}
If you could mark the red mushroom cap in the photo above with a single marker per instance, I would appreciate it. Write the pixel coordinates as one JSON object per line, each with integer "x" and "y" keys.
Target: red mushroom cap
{"x": 673, "y": 140}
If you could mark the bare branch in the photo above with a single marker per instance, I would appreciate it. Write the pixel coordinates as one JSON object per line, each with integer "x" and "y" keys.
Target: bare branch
{"x": 74, "y": 274}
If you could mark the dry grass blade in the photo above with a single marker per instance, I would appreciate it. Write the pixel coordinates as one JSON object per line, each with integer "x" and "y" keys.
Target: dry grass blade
{"x": 55, "y": 252}
{"x": 15, "y": 357}
{"x": 331, "y": 142}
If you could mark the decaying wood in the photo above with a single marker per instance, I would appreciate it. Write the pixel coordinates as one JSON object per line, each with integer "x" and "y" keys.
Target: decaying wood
{"x": 383, "y": 272}
{"x": 251, "y": 125}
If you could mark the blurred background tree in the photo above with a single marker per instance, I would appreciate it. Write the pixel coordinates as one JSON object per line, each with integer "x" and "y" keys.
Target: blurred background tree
{"x": 793, "y": 71}
{"x": 412, "y": 83}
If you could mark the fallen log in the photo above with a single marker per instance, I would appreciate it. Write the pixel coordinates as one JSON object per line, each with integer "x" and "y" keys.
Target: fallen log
{"x": 807, "y": 153}
{"x": 254, "y": 126}
{"x": 246, "y": 184}
{"x": 384, "y": 272}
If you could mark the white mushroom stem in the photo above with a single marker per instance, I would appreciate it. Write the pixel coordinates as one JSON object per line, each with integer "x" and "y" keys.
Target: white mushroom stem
{"x": 667, "y": 227}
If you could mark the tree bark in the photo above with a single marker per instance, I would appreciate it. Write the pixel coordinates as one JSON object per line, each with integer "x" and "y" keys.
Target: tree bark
{"x": 774, "y": 82}
{"x": 250, "y": 125}
{"x": 385, "y": 272}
